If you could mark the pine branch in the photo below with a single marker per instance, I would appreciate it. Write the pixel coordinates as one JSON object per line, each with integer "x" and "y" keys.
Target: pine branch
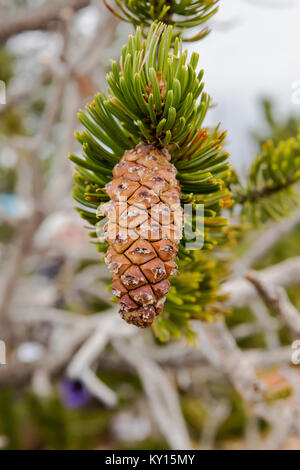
{"x": 256, "y": 195}
{"x": 155, "y": 96}
{"x": 271, "y": 190}
{"x": 181, "y": 14}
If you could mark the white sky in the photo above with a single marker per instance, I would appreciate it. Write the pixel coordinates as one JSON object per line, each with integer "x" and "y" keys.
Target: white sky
{"x": 252, "y": 51}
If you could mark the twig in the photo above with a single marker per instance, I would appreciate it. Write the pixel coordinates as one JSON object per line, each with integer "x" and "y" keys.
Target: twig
{"x": 16, "y": 263}
{"x": 172, "y": 356}
{"x": 34, "y": 314}
{"x": 80, "y": 366}
{"x": 277, "y": 299}
{"x": 281, "y": 419}
{"x": 242, "y": 375}
{"x": 162, "y": 396}
{"x": 219, "y": 411}
{"x": 27, "y": 235}
{"x": 61, "y": 167}
{"x": 82, "y": 67}
{"x": 268, "y": 325}
{"x": 92, "y": 55}
{"x": 34, "y": 145}
{"x": 241, "y": 292}
{"x": 234, "y": 364}
{"x": 53, "y": 363}
{"x": 262, "y": 358}
{"x": 26, "y": 19}
{"x": 14, "y": 99}
{"x": 265, "y": 242}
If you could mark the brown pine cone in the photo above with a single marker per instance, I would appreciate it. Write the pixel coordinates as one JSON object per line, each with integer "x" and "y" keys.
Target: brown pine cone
{"x": 143, "y": 230}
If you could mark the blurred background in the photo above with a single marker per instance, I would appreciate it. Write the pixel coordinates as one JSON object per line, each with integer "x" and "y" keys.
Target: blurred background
{"x": 75, "y": 376}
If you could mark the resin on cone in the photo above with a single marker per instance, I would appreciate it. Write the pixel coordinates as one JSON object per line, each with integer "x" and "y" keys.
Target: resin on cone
{"x": 143, "y": 230}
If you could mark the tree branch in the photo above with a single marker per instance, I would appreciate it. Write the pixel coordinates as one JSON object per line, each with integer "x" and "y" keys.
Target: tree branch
{"x": 240, "y": 291}
{"x": 265, "y": 241}
{"x": 14, "y": 99}
{"x": 161, "y": 393}
{"x": 233, "y": 362}
{"x": 27, "y": 19}
{"x": 277, "y": 299}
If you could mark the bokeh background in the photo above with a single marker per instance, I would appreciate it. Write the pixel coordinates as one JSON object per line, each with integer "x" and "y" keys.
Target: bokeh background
{"x": 75, "y": 376}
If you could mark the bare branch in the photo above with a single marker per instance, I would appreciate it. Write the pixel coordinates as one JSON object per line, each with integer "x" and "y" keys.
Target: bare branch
{"x": 26, "y": 19}
{"x": 93, "y": 55}
{"x": 27, "y": 235}
{"x": 268, "y": 325}
{"x": 161, "y": 393}
{"x": 265, "y": 241}
{"x": 241, "y": 291}
{"x": 277, "y": 299}
{"x": 53, "y": 363}
{"x": 16, "y": 263}
{"x": 13, "y": 100}
{"x": 80, "y": 366}
{"x": 234, "y": 363}
{"x": 263, "y": 358}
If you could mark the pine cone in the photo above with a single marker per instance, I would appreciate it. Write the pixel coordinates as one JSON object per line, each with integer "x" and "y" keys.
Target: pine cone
{"x": 143, "y": 230}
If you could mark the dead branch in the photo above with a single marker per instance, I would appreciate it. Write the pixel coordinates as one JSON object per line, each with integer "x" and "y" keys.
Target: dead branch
{"x": 15, "y": 268}
{"x": 241, "y": 291}
{"x": 28, "y": 19}
{"x": 92, "y": 55}
{"x": 234, "y": 363}
{"x": 265, "y": 241}
{"x": 16, "y": 98}
{"x": 277, "y": 299}
{"x": 161, "y": 393}
{"x": 80, "y": 367}
{"x": 41, "y": 195}
{"x": 27, "y": 235}
{"x": 262, "y": 358}
{"x": 54, "y": 362}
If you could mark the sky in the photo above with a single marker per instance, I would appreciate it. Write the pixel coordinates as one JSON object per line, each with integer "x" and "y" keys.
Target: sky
{"x": 252, "y": 51}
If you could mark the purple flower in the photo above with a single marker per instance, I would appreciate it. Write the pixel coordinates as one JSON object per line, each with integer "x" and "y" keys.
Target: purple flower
{"x": 73, "y": 393}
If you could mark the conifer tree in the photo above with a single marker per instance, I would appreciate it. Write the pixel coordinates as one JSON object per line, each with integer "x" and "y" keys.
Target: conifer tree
{"x": 146, "y": 153}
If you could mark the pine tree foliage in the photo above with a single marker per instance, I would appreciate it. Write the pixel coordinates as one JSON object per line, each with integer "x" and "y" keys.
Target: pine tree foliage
{"x": 181, "y": 14}
{"x": 271, "y": 190}
{"x": 156, "y": 96}
{"x": 277, "y": 130}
